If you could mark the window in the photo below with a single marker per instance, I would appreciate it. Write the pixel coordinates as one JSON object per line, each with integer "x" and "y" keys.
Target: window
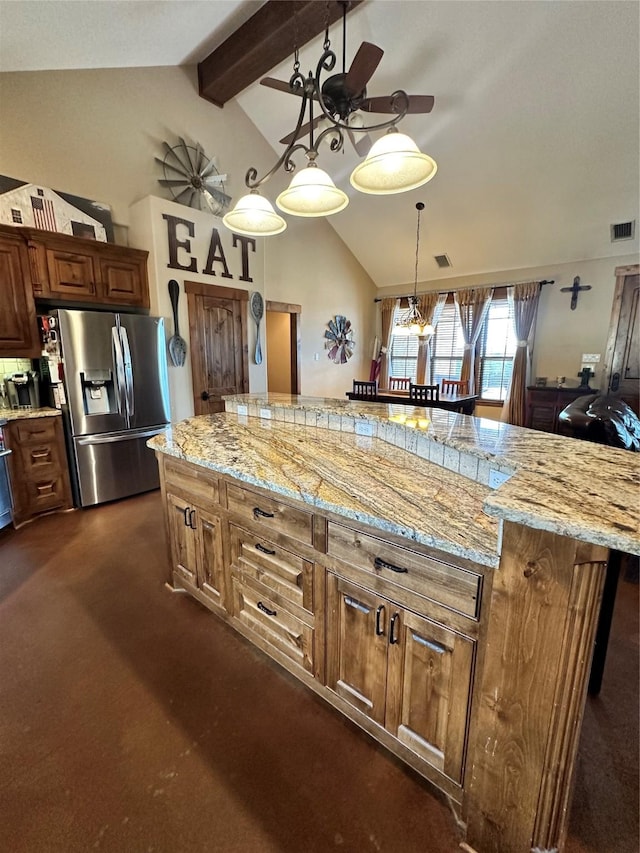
{"x": 16, "y": 216}
{"x": 403, "y": 359}
{"x": 447, "y": 345}
{"x": 496, "y": 349}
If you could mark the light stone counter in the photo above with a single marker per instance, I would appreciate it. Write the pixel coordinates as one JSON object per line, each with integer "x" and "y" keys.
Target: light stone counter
{"x": 427, "y": 474}
{"x": 25, "y": 414}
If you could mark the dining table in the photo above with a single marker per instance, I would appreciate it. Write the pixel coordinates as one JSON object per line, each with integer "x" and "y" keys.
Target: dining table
{"x": 463, "y": 403}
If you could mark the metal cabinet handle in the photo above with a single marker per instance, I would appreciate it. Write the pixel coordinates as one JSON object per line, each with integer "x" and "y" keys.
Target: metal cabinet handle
{"x": 45, "y": 488}
{"x": 379, "y": 625}
{"x": 260, "y": 513}
{"x": 40, "y": 454}
{"x": 204, "y": 396}
{"x": 264, "y": 550}
{"x": 266, "y": 609}
{"x": 393, "y": 637}
{"x": 379, "y": 563}
{"x": 185, "y": 513}
{"x": 192, "y": 519}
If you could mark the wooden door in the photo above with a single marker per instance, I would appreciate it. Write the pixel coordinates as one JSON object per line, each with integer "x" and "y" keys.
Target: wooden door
{"x": 357, "y": 625}
{"x": 71, "y": 273}
{"x": 429, "y": 690}
{"x": 124, "y": 280}
{"x": 210, "y": 565}
{"x": 622, "y": 360}
{"x": 219, "y": 344}
{"x": 183, "y": 539}
{"x": 18, "y": 327}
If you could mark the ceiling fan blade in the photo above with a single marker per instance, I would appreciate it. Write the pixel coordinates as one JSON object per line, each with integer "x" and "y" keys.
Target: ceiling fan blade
{"x": 361, "y": 142}
{"x": 384, "y": 104}
{"x": 280, "y": 85}
{"x": 361, "y": 71}
{"x": 303, "y": 130}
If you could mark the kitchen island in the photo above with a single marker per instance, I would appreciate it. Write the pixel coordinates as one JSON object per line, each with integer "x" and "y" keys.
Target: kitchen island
{"x": 435, "y": 577}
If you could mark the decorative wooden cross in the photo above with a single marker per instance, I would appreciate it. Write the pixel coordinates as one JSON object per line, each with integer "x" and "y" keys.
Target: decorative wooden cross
{"x": 575, "y": 288}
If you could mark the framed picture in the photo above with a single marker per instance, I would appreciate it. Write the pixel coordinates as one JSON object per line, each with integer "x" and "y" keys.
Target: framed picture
{"x": 36, "y": 206}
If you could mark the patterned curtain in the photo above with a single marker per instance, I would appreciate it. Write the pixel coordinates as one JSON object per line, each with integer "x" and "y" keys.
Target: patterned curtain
{"x": 430, "y": 305}
{"x": 523, "y": 298}
{"x": 473, "y": 306}
{"x": 387, "y": 307}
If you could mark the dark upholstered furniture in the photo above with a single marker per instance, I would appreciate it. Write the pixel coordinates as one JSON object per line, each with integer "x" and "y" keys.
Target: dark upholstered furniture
{"x": 602, "y": 418}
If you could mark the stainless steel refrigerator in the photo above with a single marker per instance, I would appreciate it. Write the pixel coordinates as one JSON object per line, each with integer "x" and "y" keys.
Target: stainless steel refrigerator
{"x": 115, "y": 396}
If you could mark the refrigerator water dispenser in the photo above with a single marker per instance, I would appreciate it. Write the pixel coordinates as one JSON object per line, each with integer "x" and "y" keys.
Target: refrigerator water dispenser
{"x": 98, "y": 392}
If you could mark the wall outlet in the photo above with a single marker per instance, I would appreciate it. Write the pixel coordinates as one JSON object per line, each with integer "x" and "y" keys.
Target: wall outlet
{"x": 590, "y": 358}
{"x": 364, "y": 428}
{"x": 497, "y": 478}
{"x": 265, "y": 413}
{"x": 242, "y": 409}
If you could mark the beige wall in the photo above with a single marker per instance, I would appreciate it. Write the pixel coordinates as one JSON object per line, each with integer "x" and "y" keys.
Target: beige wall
{"x": 278, "y": 335}
{"x": 96, "y": 133}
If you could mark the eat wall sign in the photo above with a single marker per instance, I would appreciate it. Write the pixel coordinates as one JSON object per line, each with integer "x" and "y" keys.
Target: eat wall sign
{"x": 179, "y": 232}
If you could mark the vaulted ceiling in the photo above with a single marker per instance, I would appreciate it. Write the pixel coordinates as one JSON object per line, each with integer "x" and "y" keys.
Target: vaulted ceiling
{"x": 535, "y": 128}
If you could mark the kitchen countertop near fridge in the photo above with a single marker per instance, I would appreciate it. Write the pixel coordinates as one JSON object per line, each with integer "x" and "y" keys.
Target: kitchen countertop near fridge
{"x": 23, "y": 414}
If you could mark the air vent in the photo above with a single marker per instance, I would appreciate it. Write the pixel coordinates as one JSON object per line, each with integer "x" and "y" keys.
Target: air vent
{"x": 442, "y": 261}
{"x": 623, "y": 231}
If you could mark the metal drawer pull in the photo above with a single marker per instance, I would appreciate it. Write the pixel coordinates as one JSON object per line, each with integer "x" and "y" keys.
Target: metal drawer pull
{"x": 379, "y": 626}
{"x": 185, "y": 513}
{"x": 356, "y": 604}
{"x": 264, "y": 550}
{"x": 435, "y": 647}
{"x": 393, "y": 637}
{"x": 266, "y": 610}
{"x": 260, "y": 513}
{"x": 192, "y": 519}
{"x": 45, "y": 488}
{"x": 40, "y": 454}
{"x": 379, "y": 563}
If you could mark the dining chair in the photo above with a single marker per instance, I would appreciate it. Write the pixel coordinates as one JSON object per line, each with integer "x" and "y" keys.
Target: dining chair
{"x": 424, "y": 393}
{"x": 365, "y": 388}
{"x": 399, "y": 383}
{"x": 455, "y": 386}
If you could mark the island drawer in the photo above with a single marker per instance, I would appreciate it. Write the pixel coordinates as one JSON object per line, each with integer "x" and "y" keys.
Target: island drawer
{"x": 270, "y": 515}
{"x": 273, "y": 623}
{"x": 453, "y": 587}
{"x": 283, "y": 572}
{"x": 197, "y": 483}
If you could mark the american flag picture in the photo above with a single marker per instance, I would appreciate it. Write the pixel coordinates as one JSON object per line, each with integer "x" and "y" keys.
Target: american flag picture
{"x": 43, "y": 213}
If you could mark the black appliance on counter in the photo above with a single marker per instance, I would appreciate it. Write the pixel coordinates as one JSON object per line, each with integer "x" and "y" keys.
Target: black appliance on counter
{"x": 23, "y": 390}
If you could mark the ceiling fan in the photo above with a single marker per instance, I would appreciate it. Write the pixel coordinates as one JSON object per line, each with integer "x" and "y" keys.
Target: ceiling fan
{"x": 345, "y": 94}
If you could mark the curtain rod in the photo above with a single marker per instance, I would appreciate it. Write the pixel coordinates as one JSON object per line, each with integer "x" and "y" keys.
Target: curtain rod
{"x": 422, "y": 293}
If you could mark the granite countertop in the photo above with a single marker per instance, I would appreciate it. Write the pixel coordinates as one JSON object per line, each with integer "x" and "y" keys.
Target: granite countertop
{"x": 571, "y": 487}
{"x": 22, "y": 414}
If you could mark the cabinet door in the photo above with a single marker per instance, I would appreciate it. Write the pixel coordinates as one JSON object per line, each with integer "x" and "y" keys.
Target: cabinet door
{"x": 429, "y": 690}
{"x": 124, "y": 281}
{"x": 210, "y": 564}
{"x": 71, "y": 273}
{"x": 357, "y": 623}
{"x": 183, "y": 539}
{"x": 18, "y": 328}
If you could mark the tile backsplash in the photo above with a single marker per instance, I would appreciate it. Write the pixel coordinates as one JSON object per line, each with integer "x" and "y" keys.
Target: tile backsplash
{"x": 13, "y": 365}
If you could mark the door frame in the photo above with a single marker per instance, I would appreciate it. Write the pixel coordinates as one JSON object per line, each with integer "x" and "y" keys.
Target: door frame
{"x": 294, "y": 340}
{"x": 195, "y": 290}
{"x": 622, "y": 273}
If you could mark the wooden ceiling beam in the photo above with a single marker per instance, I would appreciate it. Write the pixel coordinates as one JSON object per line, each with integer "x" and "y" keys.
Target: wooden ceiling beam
{"x": 265, "y": 40}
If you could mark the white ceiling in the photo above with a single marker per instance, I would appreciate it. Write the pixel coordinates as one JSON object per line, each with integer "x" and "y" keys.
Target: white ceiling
{"x": 535, "y": 127}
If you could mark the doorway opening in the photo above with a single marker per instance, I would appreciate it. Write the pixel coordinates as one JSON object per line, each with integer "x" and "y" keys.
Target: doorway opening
{"x": 283, "y": 347}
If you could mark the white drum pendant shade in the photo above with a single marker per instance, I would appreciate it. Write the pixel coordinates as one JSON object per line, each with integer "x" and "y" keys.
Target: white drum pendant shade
{"x": 393, "y": 165}
{"x": 254, "y": 216}
{"x": 312, "y": 193}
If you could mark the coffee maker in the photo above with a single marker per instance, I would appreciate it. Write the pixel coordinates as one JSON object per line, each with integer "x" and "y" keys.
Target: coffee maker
{"x": 23, "y": 390}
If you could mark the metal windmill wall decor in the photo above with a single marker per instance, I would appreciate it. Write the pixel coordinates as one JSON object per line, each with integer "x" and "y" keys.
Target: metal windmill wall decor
{"x": 339, "y": 339}
{"x": 192, "y": 178}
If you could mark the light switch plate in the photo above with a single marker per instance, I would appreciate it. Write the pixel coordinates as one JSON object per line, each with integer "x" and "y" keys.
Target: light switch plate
{"x": 590, "y": 357}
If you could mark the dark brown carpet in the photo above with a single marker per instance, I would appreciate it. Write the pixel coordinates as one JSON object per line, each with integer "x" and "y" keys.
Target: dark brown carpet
{"x": 131, "y": 719}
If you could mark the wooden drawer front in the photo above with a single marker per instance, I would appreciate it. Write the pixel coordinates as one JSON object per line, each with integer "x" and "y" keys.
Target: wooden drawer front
{"x": 273, "y": 623}
{"x": 44, "y": 493}
{"x": 35, "y": 430}
{"x": 70, "y": 274}
{"x": 451, "y": 586}
{"x": 272, "y": 516}
{"x": 199, "y": 484}
{"x": 286, "y": 574}
{"x": 124, "y": 281}
{"x": 40, "y": 460}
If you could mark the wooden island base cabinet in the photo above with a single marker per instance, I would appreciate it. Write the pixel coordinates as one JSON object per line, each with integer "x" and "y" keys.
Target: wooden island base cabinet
{"x": 474, "y": 676}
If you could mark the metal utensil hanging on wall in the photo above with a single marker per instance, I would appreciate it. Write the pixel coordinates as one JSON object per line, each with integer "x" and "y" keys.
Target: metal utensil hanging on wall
{"x": 256, "y": 306}
{"x": 177, "y": 345}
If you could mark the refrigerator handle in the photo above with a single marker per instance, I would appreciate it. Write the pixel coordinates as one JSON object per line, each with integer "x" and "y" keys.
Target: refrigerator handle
{"x": 120, "y": 374}
{"x": 128, "y": 371}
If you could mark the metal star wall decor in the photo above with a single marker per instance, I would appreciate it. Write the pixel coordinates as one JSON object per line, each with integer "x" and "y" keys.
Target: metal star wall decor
{"x": 192, "y": 178}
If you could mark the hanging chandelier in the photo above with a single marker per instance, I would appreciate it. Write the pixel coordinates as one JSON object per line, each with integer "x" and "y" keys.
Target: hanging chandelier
{"x": 394, "y": 163}
{"x": 412, "y": 322}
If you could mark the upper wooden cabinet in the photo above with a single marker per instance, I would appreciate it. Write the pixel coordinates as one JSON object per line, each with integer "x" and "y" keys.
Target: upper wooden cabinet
{"x": 65, "y": 268}
{"x": 18, "y": 328}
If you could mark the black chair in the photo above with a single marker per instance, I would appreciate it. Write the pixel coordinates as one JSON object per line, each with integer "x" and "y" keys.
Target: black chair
{"x": 424, "y": 393}
{"x": 399, "y": 383}
{"x": 365, "y": 388}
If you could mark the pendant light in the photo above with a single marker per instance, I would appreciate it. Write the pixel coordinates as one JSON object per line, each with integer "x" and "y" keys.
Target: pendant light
{"x": 312, "y": 193}
{"x": 254, "y": 216}
{"x": 393, "y": 165}
{"x": 412, "y": 322}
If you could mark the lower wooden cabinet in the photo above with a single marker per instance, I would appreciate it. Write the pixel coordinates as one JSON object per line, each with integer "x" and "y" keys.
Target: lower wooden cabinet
{"x": 37, "y": 467}
{"x": 405, "y": 672}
